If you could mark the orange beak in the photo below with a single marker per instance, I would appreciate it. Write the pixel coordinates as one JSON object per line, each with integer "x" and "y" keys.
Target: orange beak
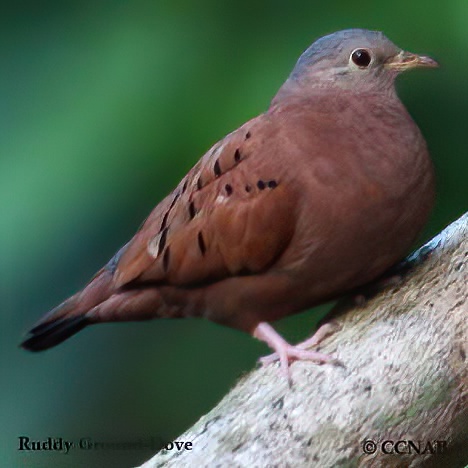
{"x": 406, "y": 60}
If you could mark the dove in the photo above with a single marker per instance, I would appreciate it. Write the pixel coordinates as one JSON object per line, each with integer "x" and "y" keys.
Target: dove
{"x": 320, "y": 194}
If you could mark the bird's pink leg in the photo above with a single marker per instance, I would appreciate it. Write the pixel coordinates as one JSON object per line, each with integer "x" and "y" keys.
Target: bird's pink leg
{"x": 284, "y": 351}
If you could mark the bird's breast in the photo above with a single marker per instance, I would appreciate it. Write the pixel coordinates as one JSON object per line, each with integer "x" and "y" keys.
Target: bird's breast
{"x": 366, "y": 188}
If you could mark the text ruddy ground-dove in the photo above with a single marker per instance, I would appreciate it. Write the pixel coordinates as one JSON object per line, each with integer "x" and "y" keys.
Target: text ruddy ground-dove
{"x": 320, "y": 194}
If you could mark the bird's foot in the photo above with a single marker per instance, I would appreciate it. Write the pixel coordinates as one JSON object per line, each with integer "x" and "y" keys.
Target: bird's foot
{"x": 285, "y": 352}
{"x": 325, "y": 330}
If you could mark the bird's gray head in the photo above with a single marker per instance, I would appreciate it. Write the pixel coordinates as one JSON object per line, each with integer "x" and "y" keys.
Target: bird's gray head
{"x": 355, "y": 59}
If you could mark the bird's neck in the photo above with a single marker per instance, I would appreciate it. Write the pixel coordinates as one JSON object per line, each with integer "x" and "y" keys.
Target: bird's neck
{"x": 296, "y": 90}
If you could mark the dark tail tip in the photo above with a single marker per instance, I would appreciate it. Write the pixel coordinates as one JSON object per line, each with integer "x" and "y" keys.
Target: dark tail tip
{"x": 50, "y": 334}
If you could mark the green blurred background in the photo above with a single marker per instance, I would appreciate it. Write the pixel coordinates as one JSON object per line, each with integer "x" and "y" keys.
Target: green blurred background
{"x": 104, "y": 106}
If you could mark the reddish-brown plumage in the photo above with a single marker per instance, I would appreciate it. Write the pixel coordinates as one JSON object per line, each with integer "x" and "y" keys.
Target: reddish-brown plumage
{"x": 320, "y": 194}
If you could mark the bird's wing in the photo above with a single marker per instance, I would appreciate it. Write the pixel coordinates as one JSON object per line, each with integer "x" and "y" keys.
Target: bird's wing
{"x": 231, "y": 215}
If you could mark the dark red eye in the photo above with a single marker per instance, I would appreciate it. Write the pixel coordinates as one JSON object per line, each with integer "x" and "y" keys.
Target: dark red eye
{"x": 361, "y": 57}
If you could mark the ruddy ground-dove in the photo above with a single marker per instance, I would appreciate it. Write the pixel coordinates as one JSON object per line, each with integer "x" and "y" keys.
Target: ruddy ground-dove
{"x": 318, "y": 195}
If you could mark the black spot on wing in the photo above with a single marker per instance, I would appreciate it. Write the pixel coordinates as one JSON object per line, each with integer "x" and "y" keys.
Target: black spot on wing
{"x": 199, "y": 183}
{"x": 164, "y": 221}
{"x": 217, "y": 168}
{"x": 201, "y": 243}
{"x": 162, "y": 240}
{"x": 192, "y": 210}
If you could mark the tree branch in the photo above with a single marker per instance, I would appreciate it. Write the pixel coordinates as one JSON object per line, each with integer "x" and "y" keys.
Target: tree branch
{"x": 404, "y": 378}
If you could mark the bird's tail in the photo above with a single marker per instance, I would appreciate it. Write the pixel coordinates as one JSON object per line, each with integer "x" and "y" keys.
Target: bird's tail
{"x": 69, "y": 317}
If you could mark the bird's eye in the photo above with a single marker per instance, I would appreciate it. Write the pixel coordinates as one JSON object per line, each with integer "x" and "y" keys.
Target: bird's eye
{"x": 361, "y": 57}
